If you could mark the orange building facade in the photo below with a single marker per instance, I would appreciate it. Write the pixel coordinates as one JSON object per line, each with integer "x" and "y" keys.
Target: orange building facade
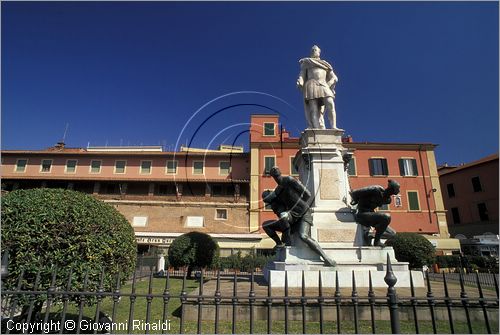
{"x": 471, "y": 197}
{"x": 419, "y": 207}
{"x": 165, "y": 194}
{"x": 162, "y": 194}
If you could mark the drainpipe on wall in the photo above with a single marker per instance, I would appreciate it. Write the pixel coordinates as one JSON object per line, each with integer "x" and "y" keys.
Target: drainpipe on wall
{"x": 427, "y": 194}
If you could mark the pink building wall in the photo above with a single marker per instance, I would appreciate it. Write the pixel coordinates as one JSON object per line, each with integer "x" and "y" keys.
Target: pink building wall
{"x": 466, "y": 200}
{"x": 425, "y": 220}
{"x": 239, "y": 163}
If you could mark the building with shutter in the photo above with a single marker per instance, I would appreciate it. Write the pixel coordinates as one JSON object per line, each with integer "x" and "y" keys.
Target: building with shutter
{"x": 418, "y": 208}
{"x": 165, "y": 194}
{"x": 162, "y": 194}
{"x": 471, "y": 200}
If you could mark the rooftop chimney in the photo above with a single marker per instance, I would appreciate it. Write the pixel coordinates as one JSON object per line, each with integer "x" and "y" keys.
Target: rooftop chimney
{"x": 60, "y": 145}
{"x": 347, "y": 139}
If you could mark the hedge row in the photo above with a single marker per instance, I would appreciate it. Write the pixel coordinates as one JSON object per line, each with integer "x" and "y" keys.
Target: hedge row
{"x": 484, "y": 263}
{"x": 243, "y": 263}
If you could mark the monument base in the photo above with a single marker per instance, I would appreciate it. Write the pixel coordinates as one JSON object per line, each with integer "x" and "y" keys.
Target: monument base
{"x": 360, "y": 261}
{"x": 321, "y": 162}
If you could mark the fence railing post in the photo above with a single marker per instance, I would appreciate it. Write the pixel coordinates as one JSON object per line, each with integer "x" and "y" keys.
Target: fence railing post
{"x": 392, "y": 298}
{"x": 235, "y": 302}
{"x": 371, "y": 299}
{"x": 448, "y": 303}
{"x": 217, "y": 301}
{"x": 465, "y": 302}
{"x": 432, "y": 304}
{"x": 337, "y": 300}
{"x": 145, "y": 294}
{"x": 354, "y": 300}
{"x": 251, "y": 300}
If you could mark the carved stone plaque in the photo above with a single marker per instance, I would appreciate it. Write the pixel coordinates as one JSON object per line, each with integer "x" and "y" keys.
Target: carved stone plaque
{"x": 336, "y": 235}
{"x": 329, "y": 184}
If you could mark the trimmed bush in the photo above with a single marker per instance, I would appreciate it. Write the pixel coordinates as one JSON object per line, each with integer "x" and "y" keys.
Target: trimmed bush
{"x": 231, "y": 262}
{"x": 193, "y": 249}
{"x": 470, "y": 263}
{"x": 46, "y": 230}
{"x": 412, "y": 248}
{"x": 481, "y": 263}
{"x": 246, "y": 263}
{"x": 448, "y": 261}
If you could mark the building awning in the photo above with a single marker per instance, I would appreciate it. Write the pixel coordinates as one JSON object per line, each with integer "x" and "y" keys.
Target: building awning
{"x": 444, "y": 243}
{"x": 167, "y": 238}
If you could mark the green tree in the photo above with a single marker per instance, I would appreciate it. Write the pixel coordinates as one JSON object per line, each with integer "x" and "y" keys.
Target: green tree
{"x": 49, "y": 231}
{"x": 412, "y": 248}
{"x": 193, "y": 249}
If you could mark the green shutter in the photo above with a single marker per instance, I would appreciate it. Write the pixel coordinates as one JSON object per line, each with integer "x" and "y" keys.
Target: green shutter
{"x": 269, "y": 129}
{"x": 385, "y": 170}
{"x": 269, "y": 163}
{"x": 413, "y": 201}
{"x": 172, "y": 167}
{"x": 21, "y": 165}
{"x": 351, "y": 167}
{"x": 293, "y": 167}
{"x": 224, "y": 168}
{"x": 198, "y": 168}
{"x": 370, "y": 164}
{"x": 401, "y": 167}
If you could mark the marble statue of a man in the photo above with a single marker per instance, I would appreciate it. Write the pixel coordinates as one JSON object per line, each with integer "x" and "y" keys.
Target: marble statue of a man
{"x": 317, "y": 82}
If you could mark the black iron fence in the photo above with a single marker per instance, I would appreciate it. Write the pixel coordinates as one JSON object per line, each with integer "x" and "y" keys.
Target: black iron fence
{"x": 485, "y": 279}
{"x": 242, "y": 304}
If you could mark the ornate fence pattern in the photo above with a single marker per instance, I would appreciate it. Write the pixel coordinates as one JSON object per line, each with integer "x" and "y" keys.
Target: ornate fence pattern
{"x": 248, "y": 310}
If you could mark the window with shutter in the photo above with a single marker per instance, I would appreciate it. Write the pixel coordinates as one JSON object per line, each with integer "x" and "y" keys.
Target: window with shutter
{"x": 198, "y": 167}
{"x": 293, "y": 169}
{"x": 146, "y": 167}
{"x": 269, "y": 162}
{"x": 120, "y": 166}
{"x": 46, "y": 165}
{"x": 378, "y": 167}
{"x": 269, "y": 129}
{"x": 408, "y": 167}
{"x": 476, "y": 184}
{"x": 351, "y": 167}
{"x": 224, "y": 168}
{"x": 413, "y": 201}
{"x": 21, "y": 165}
{"x": 71, "y": 166}
{"x": 171, "y": 167}
{"x": 95, "y": 166}
{"x": 483, "y": 212}
{"x": 451, "y": 190}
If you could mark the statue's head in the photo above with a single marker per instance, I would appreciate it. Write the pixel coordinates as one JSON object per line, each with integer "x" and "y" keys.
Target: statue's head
{"x": 393, "y": 187}
{"x": 275, "y": 173}
{"x": 315, "y": 51}
{"x": 268, "y": 196}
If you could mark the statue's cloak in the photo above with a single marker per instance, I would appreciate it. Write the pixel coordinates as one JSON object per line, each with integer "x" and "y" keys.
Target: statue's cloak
{"x": 313, "y": 88}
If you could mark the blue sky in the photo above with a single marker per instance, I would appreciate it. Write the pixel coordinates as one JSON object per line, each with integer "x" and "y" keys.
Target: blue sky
{"x": 132, "y": 73}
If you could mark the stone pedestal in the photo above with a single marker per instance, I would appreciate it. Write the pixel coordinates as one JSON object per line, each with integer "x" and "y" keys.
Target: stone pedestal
{"x": 321, "y": 169}
{"x": 359, "y": 261}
